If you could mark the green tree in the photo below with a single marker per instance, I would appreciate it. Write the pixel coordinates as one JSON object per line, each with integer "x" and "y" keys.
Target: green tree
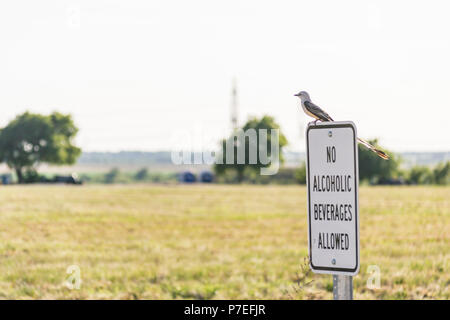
{"x": 142, "y": 175}
{"x": 373, "y": 167}
{"x": 112, "y": 175}
{"x": 441, "y": 173}
{"x": 300, "y": 174}
{"x": 31, "y": 139}
{"x": 420, "y": 175}
{"x": 267, "y": 123}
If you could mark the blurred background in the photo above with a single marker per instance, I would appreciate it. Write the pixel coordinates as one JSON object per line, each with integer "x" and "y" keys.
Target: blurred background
{"x": 134, "y": 74}
{"x": 103, "y": 92}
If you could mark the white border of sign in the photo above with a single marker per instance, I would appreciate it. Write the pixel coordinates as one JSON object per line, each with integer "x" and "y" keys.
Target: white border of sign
{"x": 326, "y": 269}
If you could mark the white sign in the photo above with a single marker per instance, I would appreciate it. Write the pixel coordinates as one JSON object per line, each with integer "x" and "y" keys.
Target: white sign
{"x": 332, "y": 180}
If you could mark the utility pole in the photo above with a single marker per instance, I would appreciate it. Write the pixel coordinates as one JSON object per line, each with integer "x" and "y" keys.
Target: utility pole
{"x": 234, "y": 106}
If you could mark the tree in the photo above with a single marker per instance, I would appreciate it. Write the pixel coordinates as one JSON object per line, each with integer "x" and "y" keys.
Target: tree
{"x": 142, "y": 174}
{"x": 300, "y": 174}
{"x": 252, "y": 148}
{"x": 373, "y": 167}
{"x": 31, "y": 139}
{"x": 420, "y": 175}
{"x": 112, "y": 175}
{"x": 441, "y": 173}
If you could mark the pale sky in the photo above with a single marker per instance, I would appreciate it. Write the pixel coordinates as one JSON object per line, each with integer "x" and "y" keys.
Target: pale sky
{"x": 133, "y": 73}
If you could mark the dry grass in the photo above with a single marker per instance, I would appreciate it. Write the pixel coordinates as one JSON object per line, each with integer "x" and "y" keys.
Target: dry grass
{"x": 210, "y": 242}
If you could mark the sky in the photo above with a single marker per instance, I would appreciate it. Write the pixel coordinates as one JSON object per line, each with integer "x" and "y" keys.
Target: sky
{"x": 145, "y": 75}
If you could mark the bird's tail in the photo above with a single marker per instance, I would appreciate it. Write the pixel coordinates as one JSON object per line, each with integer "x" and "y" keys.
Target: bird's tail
{"x": 380, "y": 153}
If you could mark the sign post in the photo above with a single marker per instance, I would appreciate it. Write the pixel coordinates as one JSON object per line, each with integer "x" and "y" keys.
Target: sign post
{"x": 333, "y": 209}
{"x": 342, "y": 287}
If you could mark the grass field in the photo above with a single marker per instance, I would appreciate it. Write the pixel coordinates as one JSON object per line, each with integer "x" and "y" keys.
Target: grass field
{"x": 211, "y": 242}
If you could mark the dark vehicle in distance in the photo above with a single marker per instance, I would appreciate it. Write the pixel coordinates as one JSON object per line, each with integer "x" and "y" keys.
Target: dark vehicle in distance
{"x": 70, "y": 179}
{"x": 187, "y": 177}
{"x": 391, "y": 182}
{"x": 206, "y": 177}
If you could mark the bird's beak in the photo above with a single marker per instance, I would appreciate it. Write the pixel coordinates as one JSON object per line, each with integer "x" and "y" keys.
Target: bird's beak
{"x": 296, "y": 95}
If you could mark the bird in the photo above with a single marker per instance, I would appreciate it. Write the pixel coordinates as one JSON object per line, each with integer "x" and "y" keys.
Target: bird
{"x": 317, "y": 113}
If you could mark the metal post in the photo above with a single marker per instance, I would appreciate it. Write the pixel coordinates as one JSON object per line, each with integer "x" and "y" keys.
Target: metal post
{"x": 342, "y": 287}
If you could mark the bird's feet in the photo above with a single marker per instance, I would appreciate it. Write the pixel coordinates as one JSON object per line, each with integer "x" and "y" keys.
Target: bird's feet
{"x": 313, "y": 122}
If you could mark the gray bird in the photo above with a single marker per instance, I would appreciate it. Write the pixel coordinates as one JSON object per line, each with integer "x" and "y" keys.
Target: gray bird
{"x": 317, "y": 113}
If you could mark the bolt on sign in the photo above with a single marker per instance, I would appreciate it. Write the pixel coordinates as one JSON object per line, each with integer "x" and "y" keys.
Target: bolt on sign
{"x": 332, "y": 181}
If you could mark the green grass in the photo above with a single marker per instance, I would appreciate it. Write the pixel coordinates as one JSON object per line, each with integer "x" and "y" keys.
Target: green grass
{"x": 211, "y": 242}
